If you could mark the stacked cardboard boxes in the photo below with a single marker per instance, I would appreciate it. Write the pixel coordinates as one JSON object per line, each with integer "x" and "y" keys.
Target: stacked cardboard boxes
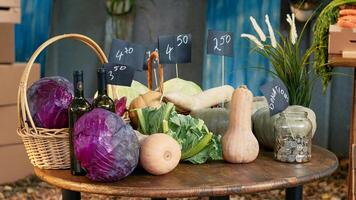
{"x": 14, "y": 163}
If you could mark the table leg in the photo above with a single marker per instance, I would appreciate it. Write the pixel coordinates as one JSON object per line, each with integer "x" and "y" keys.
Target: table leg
{"x": 220, "y": 198}
{"x": 70, "y": 195}
{"x": 294, "y": 193}
{"x": 352, "y": 141}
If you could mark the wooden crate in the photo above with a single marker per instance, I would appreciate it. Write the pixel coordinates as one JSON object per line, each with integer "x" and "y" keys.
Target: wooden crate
{"x": 14, "y": 163}
{"x": 10, "y": 75}
{"x": 10, "y": 11}
{"x": 341, "y": 39}
{"x": 8, "y": 124}
{"x": 7, "y": 43}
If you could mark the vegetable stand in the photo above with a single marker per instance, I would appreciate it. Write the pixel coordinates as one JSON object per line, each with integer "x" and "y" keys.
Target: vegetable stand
{"x": 215, "y": 179}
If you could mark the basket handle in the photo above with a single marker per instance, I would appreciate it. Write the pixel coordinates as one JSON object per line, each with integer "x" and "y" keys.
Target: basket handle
{"x": 24, "y": 114}
{"x": 153, "y": 56}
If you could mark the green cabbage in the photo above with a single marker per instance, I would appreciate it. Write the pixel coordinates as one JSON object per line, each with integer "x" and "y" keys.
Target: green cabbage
{"x": 118, "y": 91}
{"x": 181, "y": 86}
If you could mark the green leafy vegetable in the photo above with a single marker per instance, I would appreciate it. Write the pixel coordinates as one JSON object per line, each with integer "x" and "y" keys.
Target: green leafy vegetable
{"x": 190, "y": 132}
{"x": 151, "y": 119}
{"x": 212, "y": 152}
{"x": 197, "y": 142}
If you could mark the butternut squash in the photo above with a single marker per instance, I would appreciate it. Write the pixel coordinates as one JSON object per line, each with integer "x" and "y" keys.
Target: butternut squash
{"x": 205, "y": 99}
{"x": 239, "y": 145}
{"x": 159, "y": 153}
{"x": 150, "y": 98}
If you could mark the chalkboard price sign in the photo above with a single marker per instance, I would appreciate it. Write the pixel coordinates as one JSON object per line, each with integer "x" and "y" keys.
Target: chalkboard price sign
{"x": 277, "y": 96}
{"x": 126, "y": 53}
{"x": 117, "y": 74}
{"x": 220, "y": 43}
{"x": 175, "y": 48}
{"x": 167, "y": 49}
{"x": 184, "y": 48}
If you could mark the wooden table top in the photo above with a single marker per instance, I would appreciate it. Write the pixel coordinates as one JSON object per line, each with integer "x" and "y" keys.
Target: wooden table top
{"x": 213, "y": 179}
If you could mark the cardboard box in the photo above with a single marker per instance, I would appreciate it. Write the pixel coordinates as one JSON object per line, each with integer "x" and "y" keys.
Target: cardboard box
{"x": 10, "y": 75}
{"x": 10, "y": 11}
{"x": 10, "y": 3}
{"x": 7, "y": 43}
{"x": 8, "y": 124}
{"x": 341, "y": 39}
{"x": 14, "y": 163}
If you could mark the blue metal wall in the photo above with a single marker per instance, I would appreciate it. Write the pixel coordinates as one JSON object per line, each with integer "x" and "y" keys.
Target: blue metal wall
{"x": 33, "y": 30}
{"x": 233, "y": 15}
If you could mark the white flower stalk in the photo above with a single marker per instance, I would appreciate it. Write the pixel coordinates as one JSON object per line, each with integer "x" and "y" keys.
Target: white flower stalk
{"x": 258, "y": 29}
{"x": 271, "y": 33}
{"x": 253, "y": 39}
{"x": 293, "y": 30}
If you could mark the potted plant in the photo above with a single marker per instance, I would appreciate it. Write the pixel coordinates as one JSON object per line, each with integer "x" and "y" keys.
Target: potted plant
{"x": 303, "y": 9}
{"x": 290, "y": 65}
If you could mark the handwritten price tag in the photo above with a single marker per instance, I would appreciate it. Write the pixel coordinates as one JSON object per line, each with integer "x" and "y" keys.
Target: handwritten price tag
{"x": 119, "y": 74}
{"x": 166, "y": 49}
{"x": 277, "y": 96}
{"x": 184, "y": 48}
{"x": 175, "y": 48}
{"x": 126, "y": 53}
{"x": 220, "y": 43}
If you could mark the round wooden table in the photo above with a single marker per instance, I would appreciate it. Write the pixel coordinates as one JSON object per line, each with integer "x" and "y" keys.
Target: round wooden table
{"x": 216, "y": 179}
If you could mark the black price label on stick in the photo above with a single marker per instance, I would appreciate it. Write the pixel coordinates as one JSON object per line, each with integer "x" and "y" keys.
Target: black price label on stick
{"x": 175, "y": 48}
{"x": 220, "y": 43}
{"x": 149, "y": 49}
{"x": 126, "y": 53}
{"x": 277, "y": 96}
{"x": 167, "y": 49}
{"x": 119, "y": 74}
{"x": 184, "y": 48}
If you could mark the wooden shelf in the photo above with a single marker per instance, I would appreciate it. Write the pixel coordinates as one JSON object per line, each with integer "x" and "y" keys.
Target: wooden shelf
{"x": 336, "y": 60}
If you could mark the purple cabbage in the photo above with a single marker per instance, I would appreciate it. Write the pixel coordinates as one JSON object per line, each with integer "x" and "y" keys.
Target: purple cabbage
{"x": 48, "y": 100}
{"x": 120, "y": 106}
{"x": 105, "y": 146}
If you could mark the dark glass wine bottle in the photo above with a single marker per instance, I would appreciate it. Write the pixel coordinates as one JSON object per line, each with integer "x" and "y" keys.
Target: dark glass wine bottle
{"x": 103, "y": 100}
{"x": 77, "y": 108}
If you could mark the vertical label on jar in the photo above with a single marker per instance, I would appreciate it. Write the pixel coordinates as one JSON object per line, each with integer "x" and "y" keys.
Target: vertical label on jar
{"x": 277, "y": 96}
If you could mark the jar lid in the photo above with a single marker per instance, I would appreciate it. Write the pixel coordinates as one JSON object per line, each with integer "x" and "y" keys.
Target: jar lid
{"x": 294, "y": 114}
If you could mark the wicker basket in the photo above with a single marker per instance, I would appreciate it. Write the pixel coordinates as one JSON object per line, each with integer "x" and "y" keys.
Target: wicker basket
{"x": 46, "y": 148}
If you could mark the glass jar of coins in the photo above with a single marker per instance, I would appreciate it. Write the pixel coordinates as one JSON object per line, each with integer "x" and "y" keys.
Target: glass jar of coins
{"x": 293, "y": 137}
